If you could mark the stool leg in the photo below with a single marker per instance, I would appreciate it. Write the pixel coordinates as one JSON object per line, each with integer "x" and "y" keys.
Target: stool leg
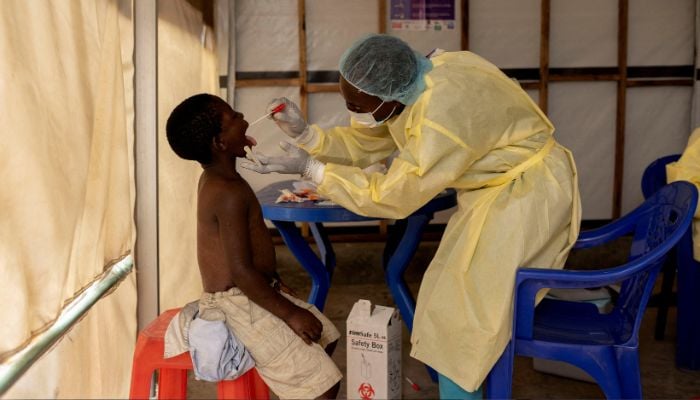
{"x": 242, "y": 388}
{"x": 172, "y": 384}
{"x": 140, "y": 382}
{"x": 261, "y": 389}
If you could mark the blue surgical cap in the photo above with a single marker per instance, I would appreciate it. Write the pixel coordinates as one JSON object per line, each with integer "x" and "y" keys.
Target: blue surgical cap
{"x": 385, "y": 66}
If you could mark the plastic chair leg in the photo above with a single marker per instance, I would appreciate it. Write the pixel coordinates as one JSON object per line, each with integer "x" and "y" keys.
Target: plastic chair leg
{"x": 666, "y": 295}
{"x": 499, "y": 383}
{"x": 176, "y": 387}
{"x": 628, "y": 371}
{"x": 688, "y": 322}
{"x": 603, "y": 367}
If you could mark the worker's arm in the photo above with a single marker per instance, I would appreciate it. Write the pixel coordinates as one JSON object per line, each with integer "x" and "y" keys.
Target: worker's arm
{"x": 430, "y": 162}
{"x": 348, "y": 145}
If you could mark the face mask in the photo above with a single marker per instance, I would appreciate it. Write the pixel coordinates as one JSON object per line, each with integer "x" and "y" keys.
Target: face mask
{"x": 367, "y": 119}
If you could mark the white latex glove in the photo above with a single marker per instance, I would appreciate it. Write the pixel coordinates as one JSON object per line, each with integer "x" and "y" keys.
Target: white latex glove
{"x": 296, "y": 161}
{"x": 290, "y": 120}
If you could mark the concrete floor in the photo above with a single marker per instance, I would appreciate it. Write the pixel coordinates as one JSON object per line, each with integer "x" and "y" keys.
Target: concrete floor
{"x": 358, "y": 276}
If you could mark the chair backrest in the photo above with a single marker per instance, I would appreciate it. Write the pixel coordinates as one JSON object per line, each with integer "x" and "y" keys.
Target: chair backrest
{"x": 661, "y": 221}
{"x": 654, "y": 176}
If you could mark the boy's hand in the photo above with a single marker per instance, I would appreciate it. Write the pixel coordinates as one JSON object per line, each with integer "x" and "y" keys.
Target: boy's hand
{"x": 304, "y": 324}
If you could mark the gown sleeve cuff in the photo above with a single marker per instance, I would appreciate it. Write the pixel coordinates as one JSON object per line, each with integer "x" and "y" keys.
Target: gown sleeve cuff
{"x": 314, "y": 170}
{"x": 309, "y": 138}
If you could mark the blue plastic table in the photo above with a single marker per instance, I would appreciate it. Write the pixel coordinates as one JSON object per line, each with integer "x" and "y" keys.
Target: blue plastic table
{"x": 400, "y": 248}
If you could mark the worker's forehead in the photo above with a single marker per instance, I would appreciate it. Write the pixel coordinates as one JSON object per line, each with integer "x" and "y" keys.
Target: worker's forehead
{"x": 353, "y": 95}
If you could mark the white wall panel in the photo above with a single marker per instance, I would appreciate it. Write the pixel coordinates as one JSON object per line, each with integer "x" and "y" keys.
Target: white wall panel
{"x": 584, "y": 116}
{"x": 252, "y": 102}
{"x": 267, "y": 35}
{"x": 328, "y": 110}
{"x": 661, "y": 32}
{"x": 657, "y": 125}
{"x": 333, "y": 25}
{"x": 534, "y": 95}
{"x": 583, "y": 33}
{"x": 425, "y": 41}
{"x": 506, "y": 32}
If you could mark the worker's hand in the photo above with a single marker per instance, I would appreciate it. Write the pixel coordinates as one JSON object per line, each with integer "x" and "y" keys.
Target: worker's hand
{"x": 289, "y": 119}
{"x": 293, "y": 162}
{"x": 305, "y": 324}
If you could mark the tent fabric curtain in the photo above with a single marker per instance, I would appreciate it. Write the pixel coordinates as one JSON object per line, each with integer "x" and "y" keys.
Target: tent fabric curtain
{"x": 67, "y": 170}
{"x": 187, "y": 65}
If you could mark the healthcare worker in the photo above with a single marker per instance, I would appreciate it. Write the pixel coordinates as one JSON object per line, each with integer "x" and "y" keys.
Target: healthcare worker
{"x": 687, "y": 168}
{"x": 454, "y": 121}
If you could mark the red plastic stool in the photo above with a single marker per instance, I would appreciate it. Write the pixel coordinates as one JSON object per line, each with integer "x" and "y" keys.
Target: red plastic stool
{"x": 172, "y": 377}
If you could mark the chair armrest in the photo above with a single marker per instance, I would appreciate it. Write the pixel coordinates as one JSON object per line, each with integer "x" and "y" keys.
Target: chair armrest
{"x": 529, "y": 281}
{"x": 608, "y": 232}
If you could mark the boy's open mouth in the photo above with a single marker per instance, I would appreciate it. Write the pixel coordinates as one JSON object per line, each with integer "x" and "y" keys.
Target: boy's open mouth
{"x": 250, "y": 141}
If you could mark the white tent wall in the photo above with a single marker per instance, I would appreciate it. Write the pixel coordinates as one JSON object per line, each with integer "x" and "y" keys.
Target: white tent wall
{"x": 506, "y": 32}
{"x": 187, "y": 65}
{"x": 658, "y": 119}
{"x": 658, "y": 124}
{"x": 584, "y": 116}
{"x": 68, "y": 204}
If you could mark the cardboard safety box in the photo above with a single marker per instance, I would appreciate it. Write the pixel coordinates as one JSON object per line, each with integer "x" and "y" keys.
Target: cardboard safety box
{"x": 373, "y": 352}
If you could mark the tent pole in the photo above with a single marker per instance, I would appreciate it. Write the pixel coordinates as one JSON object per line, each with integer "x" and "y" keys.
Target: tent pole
{"x": 146, "y": 154}
{"x": 231, "y": 64}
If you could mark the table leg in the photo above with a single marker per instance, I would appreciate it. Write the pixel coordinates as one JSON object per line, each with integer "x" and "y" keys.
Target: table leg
{"x": 320, "y": 279}
{"x": 398, "y": 253}
{"x": 397, "y": 263}
{"x": 324, "y": 247}
{"x": 396, "y": 233}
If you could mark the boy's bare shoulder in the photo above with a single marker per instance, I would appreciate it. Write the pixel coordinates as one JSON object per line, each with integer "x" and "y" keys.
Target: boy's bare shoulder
{"x": 224, "y": 191}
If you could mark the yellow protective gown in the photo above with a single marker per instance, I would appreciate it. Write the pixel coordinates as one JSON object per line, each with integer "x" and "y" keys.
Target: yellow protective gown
{"x": 475, "y": 130}
{"x": 687, "y": 168}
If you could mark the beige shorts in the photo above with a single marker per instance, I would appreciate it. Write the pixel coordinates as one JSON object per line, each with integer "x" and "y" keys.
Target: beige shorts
{"x": 291, "y": 368}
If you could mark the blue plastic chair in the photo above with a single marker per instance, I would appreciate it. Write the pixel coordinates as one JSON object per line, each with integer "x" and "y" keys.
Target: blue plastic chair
{"x": 603, "y": 345}
{"x": 688, "y": 296}
{"x": 654, "y": 176}
{"x": 653, "y": 179}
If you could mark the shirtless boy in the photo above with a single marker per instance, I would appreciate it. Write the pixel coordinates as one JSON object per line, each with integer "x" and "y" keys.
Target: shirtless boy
{"x": 287, "y": 337}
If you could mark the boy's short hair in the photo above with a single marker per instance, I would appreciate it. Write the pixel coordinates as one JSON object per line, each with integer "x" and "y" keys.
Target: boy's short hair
{"x": 193, "y": 124}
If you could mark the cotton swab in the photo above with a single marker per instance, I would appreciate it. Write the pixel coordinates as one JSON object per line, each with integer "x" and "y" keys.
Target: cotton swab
{"x": 274, "y": 110}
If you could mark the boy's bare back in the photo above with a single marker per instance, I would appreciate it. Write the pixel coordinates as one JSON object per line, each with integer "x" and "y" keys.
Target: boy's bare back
{"x": 230, "y": 225}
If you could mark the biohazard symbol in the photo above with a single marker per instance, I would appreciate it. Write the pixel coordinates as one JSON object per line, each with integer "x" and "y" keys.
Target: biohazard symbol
{"x": 366, "y": 391}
